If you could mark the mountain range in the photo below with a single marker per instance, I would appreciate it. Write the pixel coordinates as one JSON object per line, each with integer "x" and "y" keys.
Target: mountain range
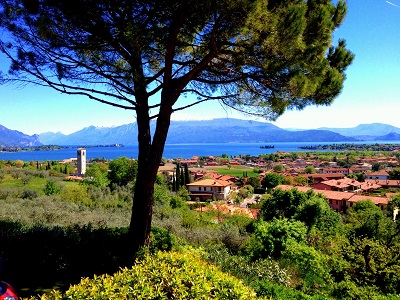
{"x": 224, "y": 130}
{"x": 11, "y": 138}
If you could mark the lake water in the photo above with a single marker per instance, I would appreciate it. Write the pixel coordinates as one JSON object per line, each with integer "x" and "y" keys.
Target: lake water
{"x": 170, "y": 151}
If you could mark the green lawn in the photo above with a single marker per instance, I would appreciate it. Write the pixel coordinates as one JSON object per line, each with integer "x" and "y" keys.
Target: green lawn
{"x": 34, "y": 183}
{"x": 236, "y": 171}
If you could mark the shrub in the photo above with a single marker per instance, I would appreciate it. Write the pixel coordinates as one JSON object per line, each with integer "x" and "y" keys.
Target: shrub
{"x": 171, "y": 275}
{"x": 51, "y": 188}
{"x": 29, "y": 194}
{"x": 243, "y": 268}
{"x": 160, "y": 239}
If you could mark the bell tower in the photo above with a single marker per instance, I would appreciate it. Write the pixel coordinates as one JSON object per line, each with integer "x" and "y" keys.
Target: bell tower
{"x": 81, "y": 160}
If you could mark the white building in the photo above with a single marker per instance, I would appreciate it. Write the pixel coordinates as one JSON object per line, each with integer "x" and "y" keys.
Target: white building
{"x": 81, "y": 161}
{"x": 209, "y": 189}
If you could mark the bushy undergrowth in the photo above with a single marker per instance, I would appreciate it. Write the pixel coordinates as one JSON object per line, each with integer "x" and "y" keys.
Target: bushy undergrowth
{"x": 173, "y": 275}
{"x": 41, "y": 256}
{"x": 54, "y": 211}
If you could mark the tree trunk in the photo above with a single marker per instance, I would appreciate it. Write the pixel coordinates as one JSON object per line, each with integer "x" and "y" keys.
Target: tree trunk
{"x": 149, "y": 158}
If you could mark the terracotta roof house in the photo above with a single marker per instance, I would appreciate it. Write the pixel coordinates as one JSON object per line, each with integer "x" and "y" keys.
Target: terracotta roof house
{"x": 227, "y": 178}
{"x": 344, "y": 171}
{"x": 368, "y": 186}
{"x": 381, "y": 175}
{"x": 337, "y": 200}
{"x": 286, "y": 187}
{"x": 342, "y": 185}
{"x": 324, "y": 177}
{"x": 381, "y": 202}
{"x": 385, "y": 183}
{"x": 340, "y": 201}
{"x": 206, "y": 189}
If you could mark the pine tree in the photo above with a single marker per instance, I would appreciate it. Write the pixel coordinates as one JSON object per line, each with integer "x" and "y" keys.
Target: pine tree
{"x": 258, "y": 57}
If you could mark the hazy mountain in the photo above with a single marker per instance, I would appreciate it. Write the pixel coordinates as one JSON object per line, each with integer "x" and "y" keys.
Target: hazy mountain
{"x": 224, "y": 130}
{"x": 52, "y": 138}
{"x": 92, "y": 135}
{"x": 365, "y": 131}
{"x": 12, "y": 138}
{"x": 393, "y": 136}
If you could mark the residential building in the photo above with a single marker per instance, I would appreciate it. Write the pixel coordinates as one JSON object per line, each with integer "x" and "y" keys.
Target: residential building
{"x": 380, "y": 175}
{"x": 324, "y": 177}
{"x": 340, "y": 201}
{"x": 385, "y": 183}
{"x": 342, "y": 185}
{"x": 344, "y": 171}
{"x": 206, "y": 189}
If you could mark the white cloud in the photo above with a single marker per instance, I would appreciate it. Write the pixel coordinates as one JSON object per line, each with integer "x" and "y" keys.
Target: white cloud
{"x": 392, "y": 4}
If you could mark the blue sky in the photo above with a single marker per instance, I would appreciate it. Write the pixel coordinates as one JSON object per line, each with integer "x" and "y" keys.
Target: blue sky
{"x": 371, "y": 92}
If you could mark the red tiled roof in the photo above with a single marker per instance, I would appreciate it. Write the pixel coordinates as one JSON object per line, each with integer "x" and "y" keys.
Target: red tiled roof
{"x": 286, "y": 187}
{"x": 377, "y": 173}
{"x": 375, "y": 200}
{"x": 210, "y": 182}
{"x": 335, "y": 195}
{"x": 383, "y": 182}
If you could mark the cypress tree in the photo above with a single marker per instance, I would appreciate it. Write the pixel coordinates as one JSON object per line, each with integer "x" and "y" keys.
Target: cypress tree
{"x": 183, "y": 178}
{"x": 178, "y": 176}
{"x": 187, "y": 175}
{"x": 173, "y": 182}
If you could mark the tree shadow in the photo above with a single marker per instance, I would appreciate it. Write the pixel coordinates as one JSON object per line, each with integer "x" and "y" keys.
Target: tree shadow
{"x": 38, "y": 259}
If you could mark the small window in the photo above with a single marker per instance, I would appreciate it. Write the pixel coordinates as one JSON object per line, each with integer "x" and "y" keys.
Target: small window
{"x": 199, "y": 188}
{"x": 205, "y": 188}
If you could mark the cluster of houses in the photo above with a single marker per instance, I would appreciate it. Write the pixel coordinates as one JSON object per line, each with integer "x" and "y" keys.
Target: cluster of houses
{"x": 331, "y": 181}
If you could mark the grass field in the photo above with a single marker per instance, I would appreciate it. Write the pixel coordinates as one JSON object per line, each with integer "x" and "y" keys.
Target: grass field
{"x": 34, "y": 183}
{"x": 236, "y": 171}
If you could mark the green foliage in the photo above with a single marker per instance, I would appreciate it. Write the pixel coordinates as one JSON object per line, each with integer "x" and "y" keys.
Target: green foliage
{"x": 254, "y": 181}
{"x": 51, "y": 188}
{"x": 394, "y": 204}
{"x": 373, "y": 264}
{"x": 366, "y": 220}
{"x": 183, "y": 193}
{"x": 246, "y": 192}
{"x": 77, "y": 194}
{"x": 272, "y": 180}
{"x": 162, "y": 276}
{"x": 160, "y": 240}
{"x": 29, "y": 194}
{"x": 394, "y": 174}
{"x": 279, "y": 168}
{"x": 270, "y": 239}
{"x": 41, "y": 256}
{"x": 97, "y": 174}
{"x": 301, "y": 180}
{"x": 122, "y": 171}
{"x": 310, "y": 170}
{"x": 312, "y": 265}
{"x": 276, "y": 291}
{"x": 284, "y": 203}
{"x": 315, "y": 211}
{"x": 242, "y": 267}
